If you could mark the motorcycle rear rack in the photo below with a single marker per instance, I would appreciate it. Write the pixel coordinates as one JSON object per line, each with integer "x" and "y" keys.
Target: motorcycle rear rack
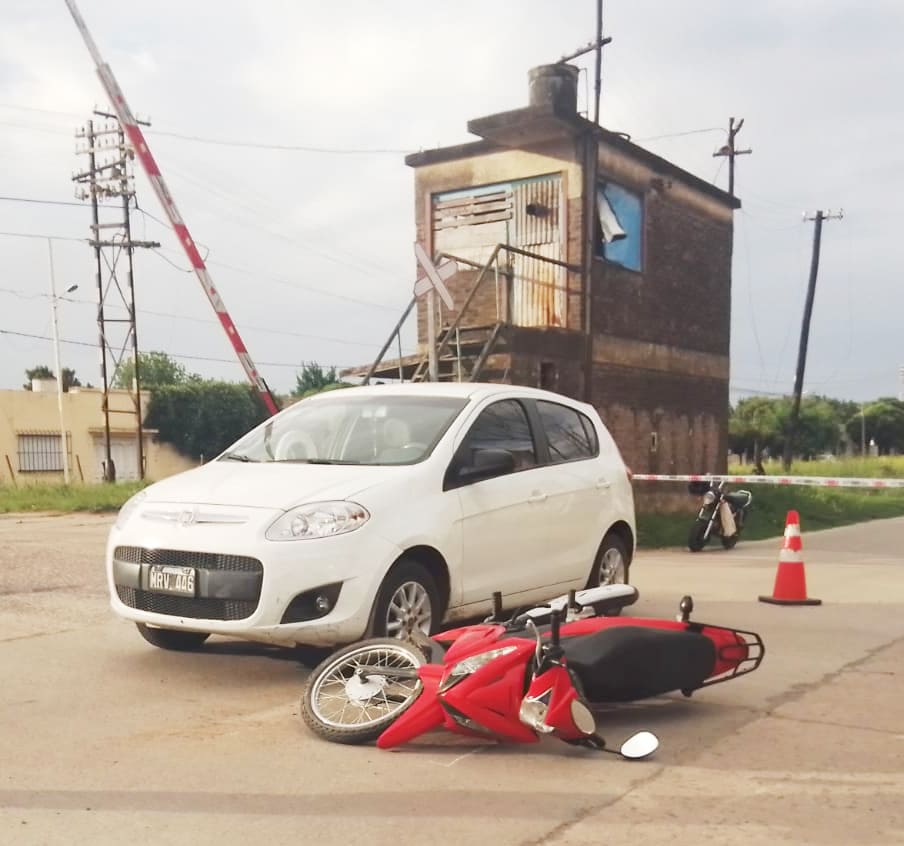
{"x": 753, "y": 644}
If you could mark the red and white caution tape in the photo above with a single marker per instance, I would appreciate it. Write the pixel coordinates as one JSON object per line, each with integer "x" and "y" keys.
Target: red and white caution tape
{"x": 810, "y": 481}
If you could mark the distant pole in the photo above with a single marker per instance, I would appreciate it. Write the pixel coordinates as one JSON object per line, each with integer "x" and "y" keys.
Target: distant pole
{"x": 56, "y": 363}
{"x": 731, "y": 151}
{"x": 805, "y": 336}
{"x": 862, "y": 430}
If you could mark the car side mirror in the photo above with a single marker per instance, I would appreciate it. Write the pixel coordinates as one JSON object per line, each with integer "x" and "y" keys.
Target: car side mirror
{"x": 486, "y": 464}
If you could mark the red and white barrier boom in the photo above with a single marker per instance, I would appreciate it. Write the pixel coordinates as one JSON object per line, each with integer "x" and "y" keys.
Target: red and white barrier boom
{"x": 810, "y": 481}
{"x": 137, "y": 140}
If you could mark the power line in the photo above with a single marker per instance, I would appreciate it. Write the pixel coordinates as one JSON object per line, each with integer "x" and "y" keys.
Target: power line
{"x": 185, "y": 356}
{"x": 53, "y": 202}
{"x": 679, "y": 134}
{"x": 255, "y": 274}
{"x": 221, "y": 142}
{"x": 269, "y": 330}
{"x": 297, "y": 148}
{"x": 43, "y": 237}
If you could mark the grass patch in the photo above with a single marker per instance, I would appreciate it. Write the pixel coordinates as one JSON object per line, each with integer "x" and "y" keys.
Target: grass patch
{"x": 61, "y": 498}
{"x": 871, "y": 467}
{"x": 819, "y": 508}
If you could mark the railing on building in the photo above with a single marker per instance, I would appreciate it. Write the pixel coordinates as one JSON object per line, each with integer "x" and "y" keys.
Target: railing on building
{"x": 531, "y": 289}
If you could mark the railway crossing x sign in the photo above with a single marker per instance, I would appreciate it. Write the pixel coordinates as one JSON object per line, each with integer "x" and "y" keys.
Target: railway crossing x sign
{"x": 435, "y": 276}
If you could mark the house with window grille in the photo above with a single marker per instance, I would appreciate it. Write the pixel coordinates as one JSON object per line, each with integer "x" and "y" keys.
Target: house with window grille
{"x": 586, "y": 265}
{"x": 31, "y": 443}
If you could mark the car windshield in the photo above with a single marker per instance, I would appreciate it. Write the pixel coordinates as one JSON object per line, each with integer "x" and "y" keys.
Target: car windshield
{"x": 345, "y": 429}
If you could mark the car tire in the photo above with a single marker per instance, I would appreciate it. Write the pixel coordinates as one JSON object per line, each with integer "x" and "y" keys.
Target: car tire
{"x": 172, "y": 639}
{"x": 612, "y": 553}
{"x": 407, "y": 580}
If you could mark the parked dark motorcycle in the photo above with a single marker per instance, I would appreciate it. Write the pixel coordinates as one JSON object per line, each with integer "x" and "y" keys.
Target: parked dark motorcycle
{"x": 722, "y": 513}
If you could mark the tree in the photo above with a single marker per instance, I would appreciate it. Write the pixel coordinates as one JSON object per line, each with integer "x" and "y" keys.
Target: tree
{"x": 201, "y": 418}
{"x": 759, "y": 423}
{"x": 884, "y": 423}
{"x": 313, "y": 378}
{"x": 42, "y": 371}
{"x": 155, "y": 369}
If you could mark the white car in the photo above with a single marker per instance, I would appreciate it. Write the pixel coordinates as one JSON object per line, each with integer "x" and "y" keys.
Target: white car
{"x": 372, "y": 510}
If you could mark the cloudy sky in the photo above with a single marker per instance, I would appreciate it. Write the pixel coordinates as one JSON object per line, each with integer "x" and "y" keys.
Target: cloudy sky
{"x": 311, "y": 247}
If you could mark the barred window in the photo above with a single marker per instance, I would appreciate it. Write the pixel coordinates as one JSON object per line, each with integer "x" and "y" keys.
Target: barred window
{"x": 42, "y": 453}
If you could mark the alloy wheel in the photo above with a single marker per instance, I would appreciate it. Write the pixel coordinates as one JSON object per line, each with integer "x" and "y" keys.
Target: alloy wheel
{"x": 612, "y": 567}
{"x": 409, "y": 609}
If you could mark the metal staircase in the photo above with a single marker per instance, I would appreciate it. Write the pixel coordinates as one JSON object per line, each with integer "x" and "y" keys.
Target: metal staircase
{"x": 462, "y": 353}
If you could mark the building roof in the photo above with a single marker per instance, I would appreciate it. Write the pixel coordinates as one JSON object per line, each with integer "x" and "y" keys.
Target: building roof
{"x": 532, "y": 125}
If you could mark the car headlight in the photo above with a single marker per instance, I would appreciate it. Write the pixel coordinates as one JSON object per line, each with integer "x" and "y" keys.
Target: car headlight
{"x": 318, "y": 520}
{"x": 128, "y": 508}
{"x": 471, "y": 665}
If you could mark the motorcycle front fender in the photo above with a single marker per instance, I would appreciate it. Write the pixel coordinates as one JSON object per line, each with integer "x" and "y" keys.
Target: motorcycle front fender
{"x": 424, "y": 715}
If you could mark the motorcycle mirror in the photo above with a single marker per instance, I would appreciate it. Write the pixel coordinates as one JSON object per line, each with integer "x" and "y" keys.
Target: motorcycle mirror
{"x": 640, "y": 745}
{"x": 582, "y": 717}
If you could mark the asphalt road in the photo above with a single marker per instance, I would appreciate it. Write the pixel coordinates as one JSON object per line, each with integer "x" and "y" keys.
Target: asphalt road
{"x": 105, "y": 739}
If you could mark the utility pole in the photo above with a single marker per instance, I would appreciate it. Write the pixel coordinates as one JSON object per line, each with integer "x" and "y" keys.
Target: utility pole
{"x": 731, "y": 151}
{"x": 819, "y": 217}
{"x": 108, "y": 176}
{"x": 590, "y": 166}
{"x": 64, "y": 452}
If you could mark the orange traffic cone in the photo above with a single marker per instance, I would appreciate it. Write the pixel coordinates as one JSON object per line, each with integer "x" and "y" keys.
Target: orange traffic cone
{"x": 790, "y": 580}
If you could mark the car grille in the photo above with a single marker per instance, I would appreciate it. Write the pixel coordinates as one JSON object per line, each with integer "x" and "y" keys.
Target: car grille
{"x": 183, "y": 558}
{"x": 197, "y": 608}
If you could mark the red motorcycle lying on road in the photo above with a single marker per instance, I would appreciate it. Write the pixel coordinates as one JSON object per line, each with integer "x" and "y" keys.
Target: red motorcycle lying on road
{"x": 515, "y": 680}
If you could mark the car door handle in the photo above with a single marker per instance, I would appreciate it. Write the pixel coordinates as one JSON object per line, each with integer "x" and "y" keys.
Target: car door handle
{"x": 603, "y": 483}
{"x": 537, "y": 496}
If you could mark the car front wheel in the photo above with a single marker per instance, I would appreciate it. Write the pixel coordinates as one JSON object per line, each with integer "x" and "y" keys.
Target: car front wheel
{"x": 171, "y": 638}
{"x": 408, "y": 600}
{"x": 612, "y": 564}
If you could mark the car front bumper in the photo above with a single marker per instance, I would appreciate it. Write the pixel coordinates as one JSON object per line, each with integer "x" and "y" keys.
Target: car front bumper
{"x": 244, "y": 585}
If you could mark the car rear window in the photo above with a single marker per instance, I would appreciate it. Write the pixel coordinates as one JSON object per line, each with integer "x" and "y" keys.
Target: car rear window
{"x": 570, "y": 435}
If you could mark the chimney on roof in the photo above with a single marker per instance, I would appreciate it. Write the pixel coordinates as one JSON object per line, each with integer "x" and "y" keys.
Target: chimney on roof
{"x": 554, "y": 88}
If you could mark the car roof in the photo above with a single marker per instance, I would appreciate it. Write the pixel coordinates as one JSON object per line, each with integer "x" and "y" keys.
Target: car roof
{"x": 464, "y": 390}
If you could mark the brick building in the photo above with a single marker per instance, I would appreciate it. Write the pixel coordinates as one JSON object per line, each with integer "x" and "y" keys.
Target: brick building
{"x": 544, "y": 201}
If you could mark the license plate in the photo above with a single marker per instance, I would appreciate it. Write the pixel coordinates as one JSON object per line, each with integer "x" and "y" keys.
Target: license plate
{"x": 179, "y": 581}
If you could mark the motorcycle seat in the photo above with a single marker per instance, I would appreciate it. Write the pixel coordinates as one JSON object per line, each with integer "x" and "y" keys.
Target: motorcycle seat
{"x": 624, "y": 663}
{"x": 740, "y": 499}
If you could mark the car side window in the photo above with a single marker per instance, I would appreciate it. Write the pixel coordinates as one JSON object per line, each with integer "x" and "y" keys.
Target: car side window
{"x": 570, "y": 435}
{"x": 502, "y": 425}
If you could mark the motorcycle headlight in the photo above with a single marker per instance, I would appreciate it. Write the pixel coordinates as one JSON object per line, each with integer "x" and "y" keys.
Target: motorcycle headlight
{"x": 471, "y": 665}
{"x": 709, "y": 498}
{"x": 128, "y": 508}
{"x": 318, "y": 520}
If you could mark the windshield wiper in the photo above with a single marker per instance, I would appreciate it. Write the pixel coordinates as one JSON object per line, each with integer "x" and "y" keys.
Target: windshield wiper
{"x": 312, "y": 461}
{"x": 238, "y": 456}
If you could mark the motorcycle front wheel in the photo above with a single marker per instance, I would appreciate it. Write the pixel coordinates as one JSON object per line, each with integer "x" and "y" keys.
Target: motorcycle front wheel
{"x": 697, "y": 538}
{"x": 356, "y": 693}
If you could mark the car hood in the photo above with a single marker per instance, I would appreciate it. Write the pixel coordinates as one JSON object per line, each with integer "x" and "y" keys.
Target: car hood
{"x": 266, "y": 485}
